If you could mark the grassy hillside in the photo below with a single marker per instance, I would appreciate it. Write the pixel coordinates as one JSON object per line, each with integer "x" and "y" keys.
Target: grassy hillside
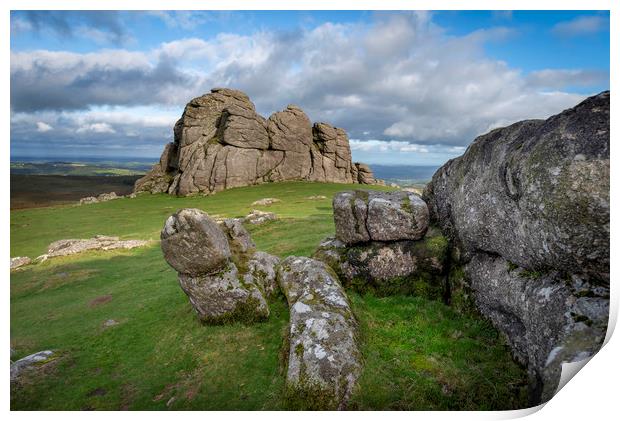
{"x": 419, "y": 354}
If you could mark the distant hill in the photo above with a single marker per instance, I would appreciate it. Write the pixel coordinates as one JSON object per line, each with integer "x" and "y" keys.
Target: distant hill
{"x": 404, "y": 174}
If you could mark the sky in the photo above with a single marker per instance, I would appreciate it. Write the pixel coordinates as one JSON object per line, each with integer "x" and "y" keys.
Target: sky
{"x": 410, "y": 88}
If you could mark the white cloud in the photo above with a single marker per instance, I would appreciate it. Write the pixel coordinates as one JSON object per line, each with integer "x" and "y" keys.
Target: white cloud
{"x": 43, "y": 127}
{"x": 96, "y": 128}
{"x": 397, "y": 83}
{"x": 583, "y": 25}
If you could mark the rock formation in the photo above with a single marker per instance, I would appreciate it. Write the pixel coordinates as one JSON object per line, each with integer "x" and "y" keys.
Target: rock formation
{"x": 364, "y": 215}
{"x": 526, "y": 209}
{"x": 383, "y": 244}
{"x": 221, "y": 142}
{"x": 212, "y": 262}
{"x": 324, "y": 361}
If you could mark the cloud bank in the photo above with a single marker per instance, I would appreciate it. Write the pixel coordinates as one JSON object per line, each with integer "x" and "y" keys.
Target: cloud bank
{"x": 398, "y": 82}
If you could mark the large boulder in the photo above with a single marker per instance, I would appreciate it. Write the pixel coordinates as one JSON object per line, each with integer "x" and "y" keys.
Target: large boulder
{"x": 388, "y": 268}
{"x": 536, "y": 192}
{"x": 324, "y": 361}
{"x": 526, "y": 209}
{"x": 193, "y": 243}
{"x": 362, "y": 216}
{"x": 220, "y": 142}
{"x": 212, "y": 262}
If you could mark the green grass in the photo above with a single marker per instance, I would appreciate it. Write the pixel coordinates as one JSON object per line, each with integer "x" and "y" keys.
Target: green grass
{"x": 160, "y": 357}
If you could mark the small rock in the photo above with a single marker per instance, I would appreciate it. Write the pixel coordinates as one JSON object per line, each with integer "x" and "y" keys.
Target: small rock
{"x": 88, "y": 200}
{"x": 256, "y": 217}
{"x": 238, "y": 237}
{"x": 110, "y": 323}
{"x": 18, "y": 367}
{"x": 17, "y": 262}
{"x": 318, "y": 197}
{"x": 266, "y": 201}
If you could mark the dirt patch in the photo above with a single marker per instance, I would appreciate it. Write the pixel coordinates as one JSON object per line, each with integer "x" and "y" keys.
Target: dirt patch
{"x": 97, "y": 392}
{"x": 100, "y": 301}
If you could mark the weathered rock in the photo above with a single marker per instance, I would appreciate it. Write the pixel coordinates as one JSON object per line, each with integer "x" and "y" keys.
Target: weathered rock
{"x": 266, "y": 201}
{"x": 200, "y": 250}
{"x": 224, "y": 296}
{"x": 256, "y": 217}
{"x": 527, "y": 211}
{"x": 29, "y": 362}
{"x": 388, "y": 268}
{"x": 261, "y": 270}
{"x": 364, "y": 174}
{"x": 238, "y": 237}
{"x": 362, "y": 216}
{"x": 324, "y": 361}
{"x": 110, "y": 323}
{"x": 88, "y": 200}
{"x": 536, "y": 192}
{"x": 193, "y": 243}
{"x": 317, "y": 197}
{"x": 103, "y": 197}
{"x": 547, "y": 320}
{"x": 99, "y": 242}
{"x": 221, "y": 142}
{"x": 17, "y": 262}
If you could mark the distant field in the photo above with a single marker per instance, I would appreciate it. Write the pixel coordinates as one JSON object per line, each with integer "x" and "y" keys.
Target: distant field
{"x": 105, "y": 168}
{"x": 31, "y": 191}
{"x": 418, "y": 354}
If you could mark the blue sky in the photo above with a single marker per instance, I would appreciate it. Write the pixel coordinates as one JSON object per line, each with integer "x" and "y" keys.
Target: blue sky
{"x": 409, "y": 87}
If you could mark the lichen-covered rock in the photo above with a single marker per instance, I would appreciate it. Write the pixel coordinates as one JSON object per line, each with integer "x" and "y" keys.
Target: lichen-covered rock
{"x": 262, "y": 270}
{"x": 362, "y": 216}
{"x": 212, "y": 261}
{"x": 387, "y": 268}
{"x": 324, "y": 361}
{"x": 29, "y": 362}
{"x": 547, "y": 320}
{"x": 17, "y": 262}
{"x": 527, "y": 211}
{"x": 535, "y": 192}
{"x": 224, "y": 296}
{"x": 256, "y": 217}
{"x": 238, "y": 237}
{"x": 221, "y": 142}
{"x": 193, "y": 243}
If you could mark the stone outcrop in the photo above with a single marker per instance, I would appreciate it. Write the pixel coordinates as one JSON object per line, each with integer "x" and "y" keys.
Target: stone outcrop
{"x": 526, "y": 209}
{"x": 212, "y": 262}
{"x": 220, "y": 142}
{"x": 383, "y": 244}
{"x": 324, "y": 361}
{"x": 389, "y": 268}
{"x": 99, "y": 242}
{"x": 363, "y": 215}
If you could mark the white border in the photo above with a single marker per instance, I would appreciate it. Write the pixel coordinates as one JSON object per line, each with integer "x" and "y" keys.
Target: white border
{"x": 593, "y": 393}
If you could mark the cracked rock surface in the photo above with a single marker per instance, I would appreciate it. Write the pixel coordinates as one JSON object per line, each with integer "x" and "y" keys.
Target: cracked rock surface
{"x": 211, "y": 260}
{"x": 220, "y": 142}
{"x": 363, "y": 215}
{"x": 526, "y": 209}
{"x": 324, "y": 361}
